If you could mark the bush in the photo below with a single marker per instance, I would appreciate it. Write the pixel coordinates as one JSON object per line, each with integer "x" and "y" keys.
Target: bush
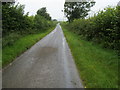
{"x": 103, "y": 28}
{"x": 17, "y": 24}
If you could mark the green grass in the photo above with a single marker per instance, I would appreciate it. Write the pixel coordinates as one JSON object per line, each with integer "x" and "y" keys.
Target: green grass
{"x": 98, "y": 67}
{"x": 9, "y": 53}
{"x": 0, "y": 52}
{"x": 0, "y": 58}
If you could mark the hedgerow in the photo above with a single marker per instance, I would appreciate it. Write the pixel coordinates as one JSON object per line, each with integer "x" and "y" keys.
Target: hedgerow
{"x": 16, "y": 23}
{"x": 103, "y": 28}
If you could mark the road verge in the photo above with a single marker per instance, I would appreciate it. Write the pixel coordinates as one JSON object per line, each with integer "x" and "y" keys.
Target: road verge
{"x": 9, "y": 53}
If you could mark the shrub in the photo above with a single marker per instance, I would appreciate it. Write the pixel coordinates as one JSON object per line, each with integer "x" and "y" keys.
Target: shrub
{"x": 103, "y": 28}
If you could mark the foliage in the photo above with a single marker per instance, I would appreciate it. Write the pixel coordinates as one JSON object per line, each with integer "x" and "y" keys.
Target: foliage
{"x": 41, "y": 22}
{"x": 17, "y": 24}
{"x": 98, "y": 67}
{"x": 21, "y": 31}
{"x": 76, "y": 10}
{"x": 10, "y": 52}
{"x": 103, "y": 28}
{"x": 43, "y": 12}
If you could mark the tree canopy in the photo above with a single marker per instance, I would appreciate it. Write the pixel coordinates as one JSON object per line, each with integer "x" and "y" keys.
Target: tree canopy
{"x": 76, "y": 10}
{"x": 43, "y": 12}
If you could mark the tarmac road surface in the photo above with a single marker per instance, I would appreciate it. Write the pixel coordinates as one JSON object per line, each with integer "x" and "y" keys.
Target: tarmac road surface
{"x": 47, "y": 64}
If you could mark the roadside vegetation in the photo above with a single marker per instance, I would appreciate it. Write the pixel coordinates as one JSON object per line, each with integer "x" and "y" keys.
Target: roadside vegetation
{"x": 95, "y": 45}
{"x": 21, "y": 31}
{"x": 98, "y": 67}
{"x": 103, "y": 28}
{"x": 18, "y": 47}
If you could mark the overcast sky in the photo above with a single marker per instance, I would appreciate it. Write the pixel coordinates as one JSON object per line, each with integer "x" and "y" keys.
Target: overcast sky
{"x": 54, "y": 7}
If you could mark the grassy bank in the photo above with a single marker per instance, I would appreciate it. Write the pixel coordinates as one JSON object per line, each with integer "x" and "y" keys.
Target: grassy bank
{"x": 9, "y": 53}
{"x": 98, "y": 68}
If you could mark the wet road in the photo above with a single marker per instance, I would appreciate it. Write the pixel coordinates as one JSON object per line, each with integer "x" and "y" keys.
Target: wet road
{"x": 48, "y": 64}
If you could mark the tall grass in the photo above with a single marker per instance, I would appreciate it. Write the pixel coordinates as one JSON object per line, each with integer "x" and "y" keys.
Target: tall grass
{"x": 10, "y": 52}
{"x": 98, "y": 67}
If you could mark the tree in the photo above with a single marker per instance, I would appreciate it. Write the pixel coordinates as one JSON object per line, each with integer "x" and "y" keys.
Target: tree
{"x": 43, "y": 12}
{"x": 76, "y": 10}
{"x": 54, "y": 19}
{"x": 14, "y": 19}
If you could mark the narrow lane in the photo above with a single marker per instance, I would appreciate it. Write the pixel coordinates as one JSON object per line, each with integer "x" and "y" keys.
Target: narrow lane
{"x": 48, "y": 64}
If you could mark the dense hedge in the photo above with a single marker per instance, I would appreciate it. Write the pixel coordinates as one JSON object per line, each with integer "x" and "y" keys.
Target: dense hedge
{"x": 103, "y": 28}
{"x": 14, "y": 19}
{"x": 16, "y": 23}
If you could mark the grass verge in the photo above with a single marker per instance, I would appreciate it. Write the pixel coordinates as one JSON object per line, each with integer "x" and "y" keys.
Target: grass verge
{"x": 98, "y": 67}
{"x": 9, "y": 53}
